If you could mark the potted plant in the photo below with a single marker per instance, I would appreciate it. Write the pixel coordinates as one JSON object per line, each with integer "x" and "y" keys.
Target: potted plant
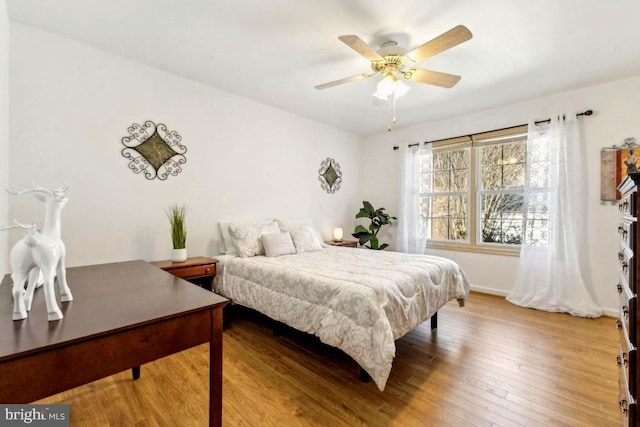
{"x": 176, "y": 214}
{"x": 378, "y": 219}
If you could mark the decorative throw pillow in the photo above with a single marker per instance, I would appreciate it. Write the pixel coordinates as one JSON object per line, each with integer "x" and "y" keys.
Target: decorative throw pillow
{"x": 225, "y": 242}
{"x": 247, "y": 237}
{"x": 304, "y": 238}
{"x": 278, "y": 244}
{"x": 303, "y": 222}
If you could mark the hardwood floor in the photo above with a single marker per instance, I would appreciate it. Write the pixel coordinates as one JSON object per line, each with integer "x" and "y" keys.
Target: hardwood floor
{"x": 488, "y": 364}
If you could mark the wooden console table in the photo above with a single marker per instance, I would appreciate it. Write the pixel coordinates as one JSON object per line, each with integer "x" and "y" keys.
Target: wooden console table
{"x": 123, "y": 315}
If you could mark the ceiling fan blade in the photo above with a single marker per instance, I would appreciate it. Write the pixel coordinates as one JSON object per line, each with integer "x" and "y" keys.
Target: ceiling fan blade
{"x": 345, "y": 80}
{"x": 444, "y": 41}
{"x": 432, "y": 78}
{"x": 356, "y": 43}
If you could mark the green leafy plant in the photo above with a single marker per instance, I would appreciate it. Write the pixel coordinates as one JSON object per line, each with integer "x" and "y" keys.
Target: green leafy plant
{"x": 378, "y": 219}
{"x": 176, "y": 214}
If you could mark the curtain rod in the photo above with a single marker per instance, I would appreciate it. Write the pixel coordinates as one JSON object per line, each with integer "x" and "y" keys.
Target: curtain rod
{"x": 584, "y": 113}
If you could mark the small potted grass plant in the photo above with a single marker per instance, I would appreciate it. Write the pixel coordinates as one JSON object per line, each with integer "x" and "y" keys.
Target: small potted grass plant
{"x": 176, "y": 214}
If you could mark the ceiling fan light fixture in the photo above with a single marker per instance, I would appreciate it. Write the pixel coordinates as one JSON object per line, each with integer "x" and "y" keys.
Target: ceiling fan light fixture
{"x": 401, "y": 88}
{"x": 390, "y": 85}
{"x": 391, "y": 60}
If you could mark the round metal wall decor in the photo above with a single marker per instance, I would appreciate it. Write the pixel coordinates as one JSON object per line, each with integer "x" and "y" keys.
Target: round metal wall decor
{"x": 154, "y": 150}
{"x": 330, "y": 176}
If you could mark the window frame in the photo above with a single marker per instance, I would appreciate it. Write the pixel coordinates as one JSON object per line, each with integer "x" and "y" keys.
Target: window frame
{"x": 450, "y": 194}
{"x": 519, "y": 191}
{"x": 473, "y": 242}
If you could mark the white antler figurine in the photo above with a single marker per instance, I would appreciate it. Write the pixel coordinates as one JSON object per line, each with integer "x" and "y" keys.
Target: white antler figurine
{"x": 54, "y": 201}
{"x": 40, "y": 251}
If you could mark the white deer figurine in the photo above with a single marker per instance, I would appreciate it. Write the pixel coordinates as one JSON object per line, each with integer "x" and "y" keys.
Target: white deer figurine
{"x": 44, "y": 252}
{"x": 54, "y": 201}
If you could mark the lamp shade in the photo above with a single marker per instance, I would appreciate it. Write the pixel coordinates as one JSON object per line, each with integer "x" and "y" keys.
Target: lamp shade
{"x": 390, "y": 85}
{"x": 400, "y": 88}
{"x": 337, "y": 234}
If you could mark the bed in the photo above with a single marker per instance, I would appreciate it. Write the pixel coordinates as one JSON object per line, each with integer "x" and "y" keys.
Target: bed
{"x": 357, "y": 300}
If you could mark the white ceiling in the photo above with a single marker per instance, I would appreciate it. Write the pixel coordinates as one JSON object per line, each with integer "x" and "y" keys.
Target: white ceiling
{"x": 276, "y": 51}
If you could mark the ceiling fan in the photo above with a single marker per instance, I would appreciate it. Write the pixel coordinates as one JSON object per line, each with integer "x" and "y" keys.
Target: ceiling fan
{"x": 394, "y": 62}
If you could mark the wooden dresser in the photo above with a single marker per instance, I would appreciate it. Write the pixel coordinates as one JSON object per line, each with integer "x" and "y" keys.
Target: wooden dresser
{"x": 627, "y": 322}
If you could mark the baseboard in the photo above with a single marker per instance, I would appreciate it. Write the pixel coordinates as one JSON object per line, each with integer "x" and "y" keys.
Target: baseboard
{"x": 490, "y": 291}
{"x": 611, "y": 312}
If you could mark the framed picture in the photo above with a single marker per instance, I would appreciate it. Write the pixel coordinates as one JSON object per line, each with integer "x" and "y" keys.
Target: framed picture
{"x": 615, "y": 164}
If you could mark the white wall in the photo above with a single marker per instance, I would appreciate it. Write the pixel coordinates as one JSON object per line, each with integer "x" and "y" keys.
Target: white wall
{"x": 71, "y": 105}
{"x": 617, "y": 111}
{"x": 4, "y": 137}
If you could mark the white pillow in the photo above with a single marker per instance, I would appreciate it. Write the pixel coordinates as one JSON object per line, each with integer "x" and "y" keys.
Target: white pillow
{"x": 247, "y": 237}
{"x": 278, "y": 244}
{"x": 304, "y": 238}
{"x": 307, "y": 223}
{"x": 226, "y": 244}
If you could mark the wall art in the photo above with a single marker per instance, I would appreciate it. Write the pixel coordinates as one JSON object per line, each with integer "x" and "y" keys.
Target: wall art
{"x": 154, "y": 150}
{"x": 616, "y": 162}
{"x": 330, "y": 176}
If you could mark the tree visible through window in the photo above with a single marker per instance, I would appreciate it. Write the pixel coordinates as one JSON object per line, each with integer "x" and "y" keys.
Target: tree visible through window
{"x": 501, "y": 185}
{"x": 476, "y": 195}
{"x": 444, "y": 194}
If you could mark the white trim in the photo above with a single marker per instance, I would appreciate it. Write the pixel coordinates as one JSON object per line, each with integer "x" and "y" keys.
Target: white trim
{"x": 489, "y": 291}
{"x": 610, "y": 312}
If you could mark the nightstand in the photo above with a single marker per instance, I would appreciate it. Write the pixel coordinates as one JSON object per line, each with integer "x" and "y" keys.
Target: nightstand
{"x": 199, "y": 270}
{"x": 343, "y": 243}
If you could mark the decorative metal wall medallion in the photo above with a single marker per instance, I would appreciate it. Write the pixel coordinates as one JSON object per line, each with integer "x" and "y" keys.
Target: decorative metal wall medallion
{"x": 330, "y": 175}
{"x": 154, "y": 150}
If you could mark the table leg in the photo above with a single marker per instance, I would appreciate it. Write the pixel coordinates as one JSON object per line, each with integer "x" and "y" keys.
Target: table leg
{"x": 135, "y": 372}
{"x": 215, "y": 369}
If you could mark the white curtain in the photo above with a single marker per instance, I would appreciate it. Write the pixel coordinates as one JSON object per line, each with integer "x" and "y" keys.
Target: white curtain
{"x": 411, "y": 236}
{"x": 553, "y": 254}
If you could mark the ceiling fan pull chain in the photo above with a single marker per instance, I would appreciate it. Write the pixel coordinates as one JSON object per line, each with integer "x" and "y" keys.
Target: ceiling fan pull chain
{"x": 389, "y": 113}
{"x": 391, "y": 107}
{"x": 393, "y": 116}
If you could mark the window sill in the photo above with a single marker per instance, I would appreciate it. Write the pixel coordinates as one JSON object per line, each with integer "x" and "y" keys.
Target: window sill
{"x": 465, "y": 247}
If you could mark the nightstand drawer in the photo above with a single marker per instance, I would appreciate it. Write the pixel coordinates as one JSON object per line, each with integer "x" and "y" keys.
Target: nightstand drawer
{"x": 194, "y": 272}
{"x": 199, "y": 270}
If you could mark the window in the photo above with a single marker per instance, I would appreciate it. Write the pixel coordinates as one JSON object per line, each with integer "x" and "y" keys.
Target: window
{"x": 472, "y": 192}
{"x": 444, "y": 194}
{"x": 500, "y": 192}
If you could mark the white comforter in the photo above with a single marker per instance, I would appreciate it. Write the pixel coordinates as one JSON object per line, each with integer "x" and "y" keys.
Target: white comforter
{"x": 358, "y": 300}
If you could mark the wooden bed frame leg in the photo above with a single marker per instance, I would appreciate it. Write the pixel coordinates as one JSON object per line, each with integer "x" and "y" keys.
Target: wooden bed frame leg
{"x": 434, "y": 321}
{"x": 227, "y": 314}
{"x": 135, "y": 372}
{"x": 278, "y": 329}
{"x": 364, "y": 375}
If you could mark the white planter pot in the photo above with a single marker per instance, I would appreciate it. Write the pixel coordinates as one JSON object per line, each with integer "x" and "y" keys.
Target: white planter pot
{"x": 179, "y": 255}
